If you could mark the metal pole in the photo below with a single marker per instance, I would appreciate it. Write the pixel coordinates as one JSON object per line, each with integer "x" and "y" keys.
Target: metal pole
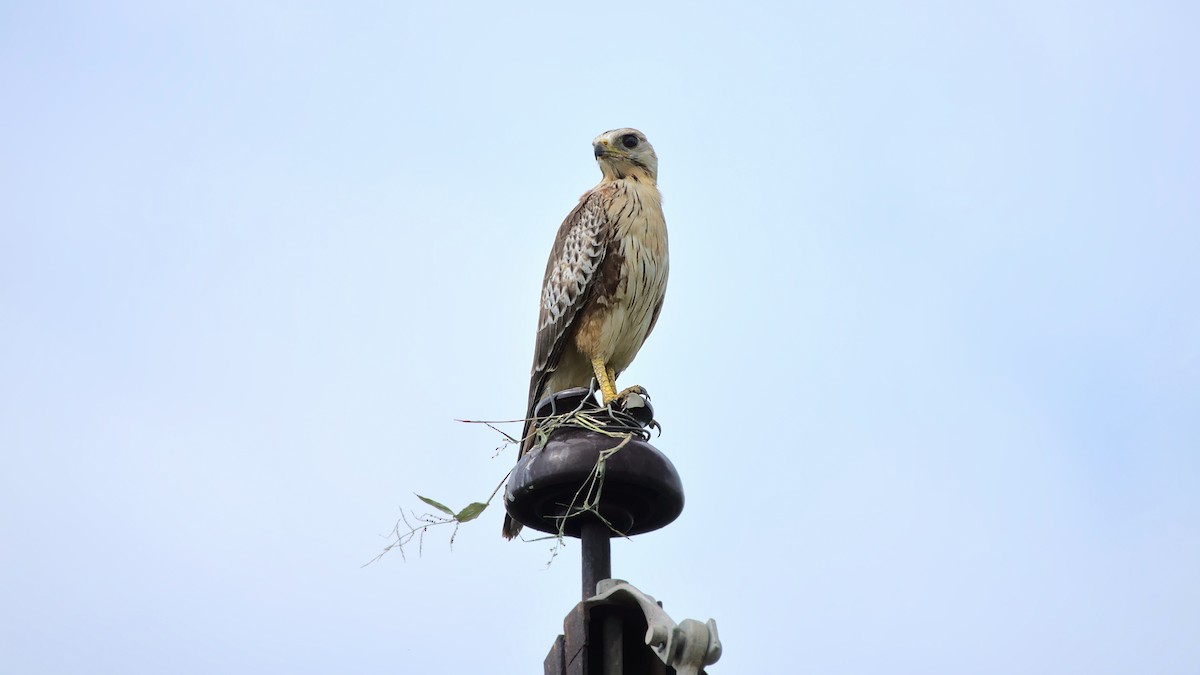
{"x": 597, "y": 556}
{"x": 614, "y": 645}
{"x": 597, "y": 565}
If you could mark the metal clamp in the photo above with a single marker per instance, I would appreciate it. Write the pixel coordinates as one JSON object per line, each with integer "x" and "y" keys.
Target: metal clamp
{"x": 687, "y": 647}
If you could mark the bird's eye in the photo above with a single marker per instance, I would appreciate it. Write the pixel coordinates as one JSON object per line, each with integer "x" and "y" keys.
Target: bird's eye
{"x": 629, "y": 140}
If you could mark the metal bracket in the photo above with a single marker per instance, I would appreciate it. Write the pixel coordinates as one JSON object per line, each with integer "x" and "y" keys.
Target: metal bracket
{"x": 687, "y": 647}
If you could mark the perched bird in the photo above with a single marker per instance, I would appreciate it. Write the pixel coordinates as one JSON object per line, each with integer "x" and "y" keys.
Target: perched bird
{"x": 605, "y": 280}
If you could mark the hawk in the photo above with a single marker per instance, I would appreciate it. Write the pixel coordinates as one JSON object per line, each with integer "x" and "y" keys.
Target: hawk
{"x": 605, "y": 280}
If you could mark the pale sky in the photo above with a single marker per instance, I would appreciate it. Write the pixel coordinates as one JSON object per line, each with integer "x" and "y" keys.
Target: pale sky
{"x": 929, "y": 364}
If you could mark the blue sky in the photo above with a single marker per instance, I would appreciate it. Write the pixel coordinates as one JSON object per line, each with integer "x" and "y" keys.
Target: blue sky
{"x": 929, "y": 364}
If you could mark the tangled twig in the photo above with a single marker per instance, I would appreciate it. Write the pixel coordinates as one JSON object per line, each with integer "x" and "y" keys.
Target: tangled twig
{"x": 608, "y": 421}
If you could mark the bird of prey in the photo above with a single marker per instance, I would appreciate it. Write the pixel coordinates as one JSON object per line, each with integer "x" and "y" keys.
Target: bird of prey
{"x": 605, "y": 280}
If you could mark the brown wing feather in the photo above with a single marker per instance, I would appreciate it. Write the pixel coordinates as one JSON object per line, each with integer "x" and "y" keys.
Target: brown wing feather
{"x": 574, "y": 263}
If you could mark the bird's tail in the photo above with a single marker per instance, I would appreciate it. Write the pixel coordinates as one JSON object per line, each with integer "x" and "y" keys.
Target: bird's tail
{"x": 511, "y": 527}
{"x": 527, "y": 436}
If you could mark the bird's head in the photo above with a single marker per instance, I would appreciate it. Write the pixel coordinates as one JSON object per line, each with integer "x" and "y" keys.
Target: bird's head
{"x": 623, "y": 153}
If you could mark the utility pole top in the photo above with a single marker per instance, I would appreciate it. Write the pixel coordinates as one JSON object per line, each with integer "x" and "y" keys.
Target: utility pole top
{"x": 595, "y": 466}
{"x": 595, "y": 476}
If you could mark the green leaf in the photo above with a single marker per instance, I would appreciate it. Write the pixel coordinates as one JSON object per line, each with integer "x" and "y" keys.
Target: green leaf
{"x": 470, "y": 512}
{"x": 437, "y": 505}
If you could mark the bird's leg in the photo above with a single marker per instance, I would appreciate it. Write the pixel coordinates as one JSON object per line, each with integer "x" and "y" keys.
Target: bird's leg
{"x": 608, "y": 390}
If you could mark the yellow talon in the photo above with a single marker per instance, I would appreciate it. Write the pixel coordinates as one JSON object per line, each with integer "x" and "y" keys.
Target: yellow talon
{"x": 607, "y": 377}
{"x": 635, "y": 389}
{"x": 608, "y": 390}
